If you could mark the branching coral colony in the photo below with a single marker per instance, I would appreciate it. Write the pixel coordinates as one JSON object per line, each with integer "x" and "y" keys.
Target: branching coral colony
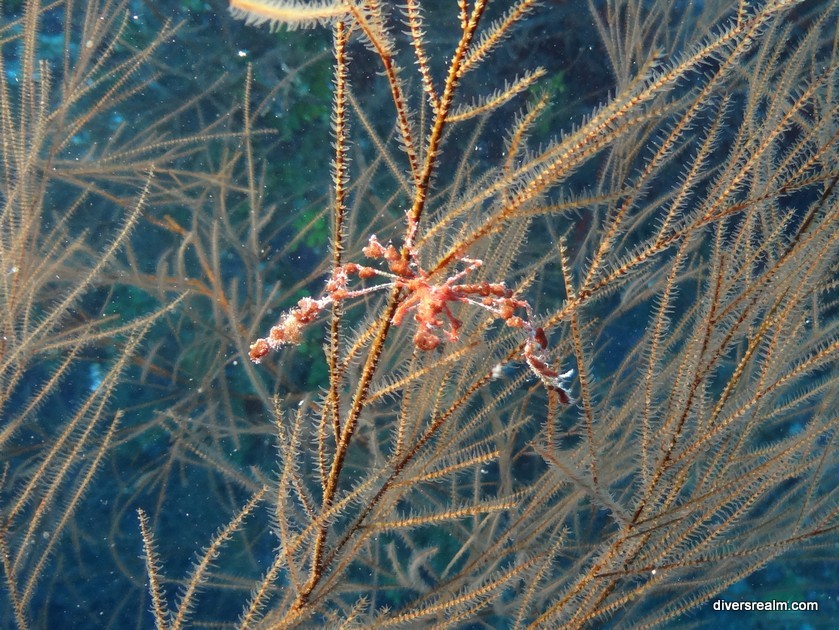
{"x": 429, "y": 301}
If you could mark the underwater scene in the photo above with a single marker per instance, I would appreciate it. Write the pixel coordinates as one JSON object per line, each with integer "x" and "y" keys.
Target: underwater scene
{"x": 431, "y": 314}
